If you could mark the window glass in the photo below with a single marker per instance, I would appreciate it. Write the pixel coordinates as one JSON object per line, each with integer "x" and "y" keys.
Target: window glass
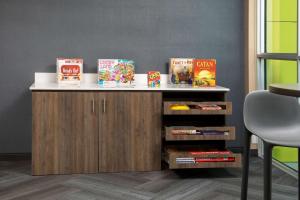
{"x": 281, "y": 26}
{"x": 286, "y": 155}
{"x": 281, "y": 10}
{"x": 281, "y": 71}
{"x": 282, "y": 37}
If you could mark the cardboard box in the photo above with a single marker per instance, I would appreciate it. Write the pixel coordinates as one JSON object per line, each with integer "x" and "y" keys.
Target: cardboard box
{"x": 108, "y": 74}
{"x": 204, "y": 73}
{"x": 69, "y": 70}
{"x": 181, "y": 70}
{"x": 153, "y": 79}
{"x": 115, "y": 72}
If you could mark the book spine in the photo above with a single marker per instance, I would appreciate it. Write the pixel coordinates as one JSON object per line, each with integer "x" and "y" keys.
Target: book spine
{"x": 211, "y": 153}
{"x": 186, "y": 132}
{"x": 213, "y": 132}
{"x": 185, "y": 161}
{"x": 185, "y": 158}
{"x": 199, "y": 132}
{"x": 230, "y": 159}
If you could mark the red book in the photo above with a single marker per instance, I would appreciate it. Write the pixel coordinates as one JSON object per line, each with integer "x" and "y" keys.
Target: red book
{"x": 229, "y": 159}
{"x": 211, "y": 153}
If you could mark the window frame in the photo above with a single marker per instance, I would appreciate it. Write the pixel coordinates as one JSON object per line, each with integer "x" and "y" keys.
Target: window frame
{"x": 262, "y": 55}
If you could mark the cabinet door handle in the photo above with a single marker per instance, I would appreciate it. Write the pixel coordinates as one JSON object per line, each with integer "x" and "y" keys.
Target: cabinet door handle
{"x": 104, "y": 105}
{"x": 93, "y": 106}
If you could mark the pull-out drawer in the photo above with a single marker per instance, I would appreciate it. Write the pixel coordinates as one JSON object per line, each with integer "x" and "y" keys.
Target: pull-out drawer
{"x": 197, "y": 108}
{"x": 185, "y": 159}
{"x": 189, "y": 133}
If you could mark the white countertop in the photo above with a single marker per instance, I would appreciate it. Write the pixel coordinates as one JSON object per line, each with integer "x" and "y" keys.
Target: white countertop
{"x": 47, "y": 81}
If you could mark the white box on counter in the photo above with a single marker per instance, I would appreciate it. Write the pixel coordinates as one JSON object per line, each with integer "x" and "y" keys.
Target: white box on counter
{"x": 69, "y": 70}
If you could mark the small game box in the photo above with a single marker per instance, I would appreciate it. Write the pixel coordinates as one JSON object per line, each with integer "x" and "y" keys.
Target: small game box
{"x": 69, "y": 70}
{"x": 153, "y": 79}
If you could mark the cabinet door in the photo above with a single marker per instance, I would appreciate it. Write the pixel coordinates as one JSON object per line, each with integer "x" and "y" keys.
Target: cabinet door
{"x": 130, "y": 131}
{"x": 64, "y": 134}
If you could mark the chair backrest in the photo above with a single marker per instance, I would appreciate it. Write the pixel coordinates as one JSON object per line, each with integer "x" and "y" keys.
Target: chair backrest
{"x": 264, "y": 109}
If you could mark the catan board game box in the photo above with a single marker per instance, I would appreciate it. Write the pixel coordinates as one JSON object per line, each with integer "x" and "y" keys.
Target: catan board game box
{"x": 204, "y": 73}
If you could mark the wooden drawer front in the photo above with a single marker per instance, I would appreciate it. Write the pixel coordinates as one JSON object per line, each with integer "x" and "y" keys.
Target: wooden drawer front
{"x": 169, "y": 136}
{"x": 171, "y": 155}
{"x": 226, "y": 108}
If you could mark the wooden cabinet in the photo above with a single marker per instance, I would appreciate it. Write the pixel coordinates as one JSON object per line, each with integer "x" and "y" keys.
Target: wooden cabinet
{"x": 116, "y": 131}
{"x": 64, "y": 133}
{"x": 129, "y": 131}
{"x": 88, "y": 132}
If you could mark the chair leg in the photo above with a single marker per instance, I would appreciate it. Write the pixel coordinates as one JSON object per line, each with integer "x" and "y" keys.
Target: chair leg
{"x": 246, "y": 151}
{"x": 267, "y": 170}
{"x": 298, "y": 173}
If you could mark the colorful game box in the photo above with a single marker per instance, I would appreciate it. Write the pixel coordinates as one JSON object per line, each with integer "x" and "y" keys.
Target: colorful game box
{"x": 204, "y": 73}
{"x": 108, "y": 73}
{"x": 69, "y": 70}
{"x": 127, "y": 72}
{"x": 153, "y": 79}
{"x": 181, "y": 70}
{"x": 115, "y": 72}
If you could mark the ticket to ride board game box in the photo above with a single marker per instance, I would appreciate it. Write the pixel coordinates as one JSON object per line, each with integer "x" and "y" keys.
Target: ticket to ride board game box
{"x": 69, "y": 70}
{"x": 204, "y": 73}
{"x": 181, "y": 70}
{"x": 115, "y": 72}
{"x": 153, "y": 79}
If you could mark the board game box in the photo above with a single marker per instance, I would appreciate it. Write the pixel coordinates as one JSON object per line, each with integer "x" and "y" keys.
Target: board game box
{"x": 115, "y": 72}
{"x": 204, "y": 73}
{"x": 108, "y": 74}
{"x": 181, "y": 70}
{"x": 69, "y": 70}
{"x": 153, "y": 79}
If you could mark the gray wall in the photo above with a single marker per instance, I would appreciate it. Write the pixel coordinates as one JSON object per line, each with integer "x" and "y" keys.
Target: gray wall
{"x": 34, "y": 32}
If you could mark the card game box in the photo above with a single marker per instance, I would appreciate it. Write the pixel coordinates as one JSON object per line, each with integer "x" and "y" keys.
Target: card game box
{"x": 153, "y": 79}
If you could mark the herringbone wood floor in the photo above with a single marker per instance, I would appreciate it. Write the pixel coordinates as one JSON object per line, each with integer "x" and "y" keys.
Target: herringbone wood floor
{"x": 213, "y": 184}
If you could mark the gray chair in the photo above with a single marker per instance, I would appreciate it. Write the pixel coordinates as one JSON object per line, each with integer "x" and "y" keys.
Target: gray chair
{"x": 276, "y": 120}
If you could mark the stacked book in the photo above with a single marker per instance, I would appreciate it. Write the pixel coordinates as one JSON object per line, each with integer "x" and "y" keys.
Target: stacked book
{"x": 185, "y": 160}
{"x": 206, "y": 156}
{"x": 208, "y": 107}
{"x": 213, "y": 156}
{"x": 198, "y": 132}
{"x": 200, "y": 106}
